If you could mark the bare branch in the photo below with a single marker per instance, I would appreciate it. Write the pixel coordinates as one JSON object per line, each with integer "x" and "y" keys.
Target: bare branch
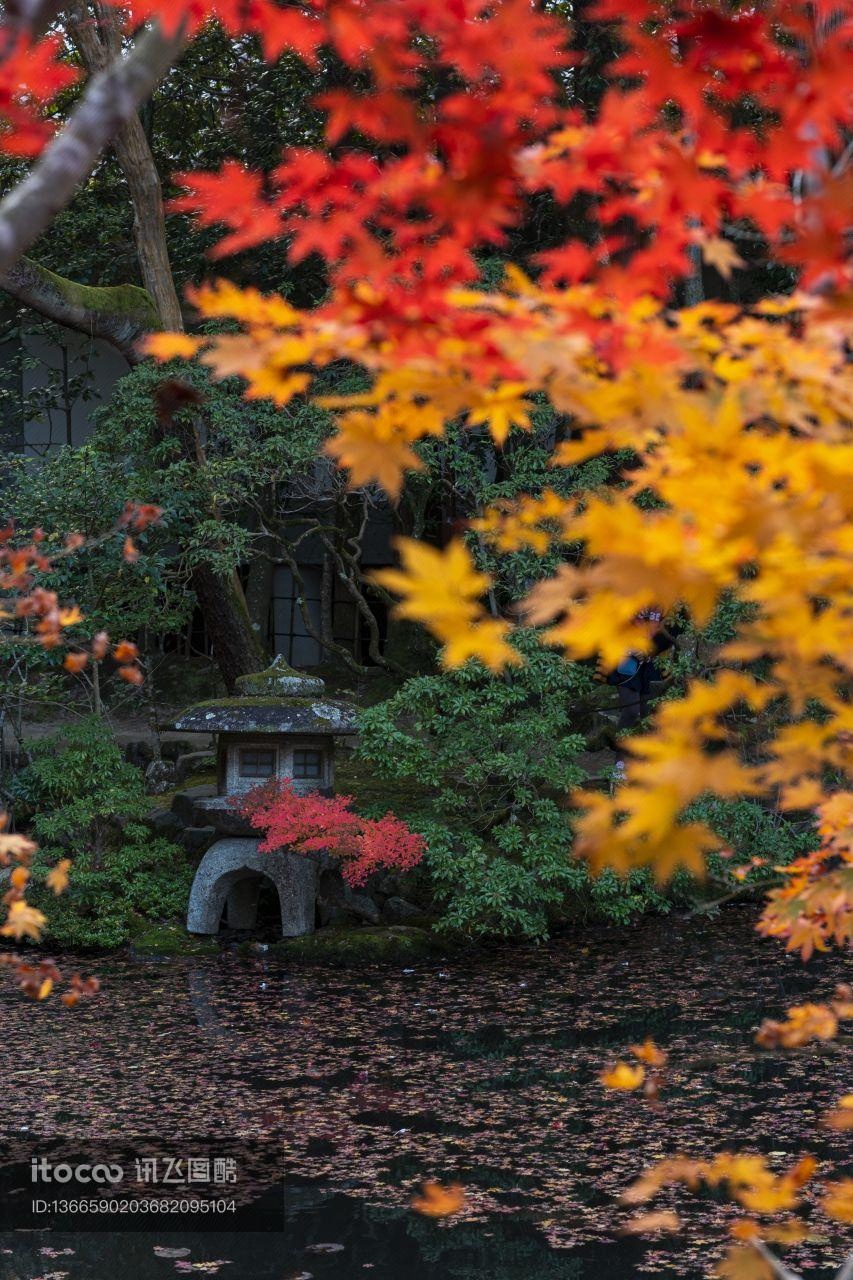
{"x": 109, "y": 101}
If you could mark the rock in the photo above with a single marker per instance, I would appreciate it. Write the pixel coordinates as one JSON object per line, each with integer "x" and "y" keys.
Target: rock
{"x": 159, "y": 777}
{"x": 192, "y": 762}
{"x": 399, "y": 911}
{"x": 184, "y": 803}
{"x": 197, "y": 840}
{"x": 174, "y": 748}
{"x": 362, "y": 907}
{"x": 385, "y": 883}
{"x": 339, "y": 904}
{"x": 163, "y": 822}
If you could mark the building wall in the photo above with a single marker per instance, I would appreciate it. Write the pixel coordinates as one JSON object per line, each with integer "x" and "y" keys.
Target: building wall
{"x": 51, "y": 380}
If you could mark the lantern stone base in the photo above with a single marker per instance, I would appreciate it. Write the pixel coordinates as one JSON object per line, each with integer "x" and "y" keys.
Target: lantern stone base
{"x": 229, "y": 878}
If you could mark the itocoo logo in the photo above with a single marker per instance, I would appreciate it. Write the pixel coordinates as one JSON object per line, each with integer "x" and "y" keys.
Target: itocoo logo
{"x": 42, "y": 1170}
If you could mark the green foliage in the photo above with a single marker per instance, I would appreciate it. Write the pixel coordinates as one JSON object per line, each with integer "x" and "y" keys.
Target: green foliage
{"x": 249, "y": 449}
{"x": 751, "y": 830}
{"x": 499, "y": 755}
{"x": 82, "y": 801}
{"x": 84, "y": 490}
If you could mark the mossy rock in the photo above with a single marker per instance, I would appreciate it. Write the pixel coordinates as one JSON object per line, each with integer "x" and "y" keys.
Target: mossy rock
{"x": 202, "y": 778}
{"x": 148, "y": 939}
{"x": 359, "y": 946}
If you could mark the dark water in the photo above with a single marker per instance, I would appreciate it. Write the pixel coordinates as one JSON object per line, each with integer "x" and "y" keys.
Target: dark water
{"x": 481, "y": 1071}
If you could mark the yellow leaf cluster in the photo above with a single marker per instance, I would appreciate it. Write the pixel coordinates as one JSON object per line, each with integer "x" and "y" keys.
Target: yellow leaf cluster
{"x": 438, "y": 1201}
{"x": 838, "y": 1200}
{"x": 804, "y": 1023}
{"x": 442, "y": 589}
{"x": 739, "y": 421}
{"x": 23, "y": 921}
{"x": 623, "y": 1076}
{"x": 747, "y": 1178}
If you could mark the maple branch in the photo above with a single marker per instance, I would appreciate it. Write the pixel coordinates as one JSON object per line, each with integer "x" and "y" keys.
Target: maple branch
{"x": 111, "y": 98}
{"x": 119, "y": 314}
{"x": 846, "y": 1272}
{"x": 777, "y": 1266}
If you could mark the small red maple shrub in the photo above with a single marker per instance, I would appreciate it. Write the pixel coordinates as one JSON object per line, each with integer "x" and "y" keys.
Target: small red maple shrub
{"x": 313, "y": 821}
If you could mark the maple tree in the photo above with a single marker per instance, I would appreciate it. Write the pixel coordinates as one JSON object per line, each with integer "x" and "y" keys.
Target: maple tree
{"x": 757, "y": 392}
{"x": 49, "y": 624}
{"x": 671, "y": 160}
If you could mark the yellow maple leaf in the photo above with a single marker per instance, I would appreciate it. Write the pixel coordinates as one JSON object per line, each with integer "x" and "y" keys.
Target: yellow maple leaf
{"x": 649, "y": 1053}
{"x": 655, "y": 1223}
{"x": 841, "y": 1119}
{"x": 23, "y": 921}
{"x": 171, "y": 346}
{"x": 622, "y": 1076}
{"x": 501, "y": 408}
{"x": 742, "y": 1263}
{"x": 437, "y": 1201}
{"x": 369, "y": 457}
{"x": 486, "y": 641}
{"x": 837, "y": 1201}
{"x": 57, "y": 877}
{"x": 719, "y": 253}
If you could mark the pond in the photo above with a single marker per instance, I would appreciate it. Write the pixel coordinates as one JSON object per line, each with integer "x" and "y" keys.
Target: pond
{"x": 481, "y": 1070}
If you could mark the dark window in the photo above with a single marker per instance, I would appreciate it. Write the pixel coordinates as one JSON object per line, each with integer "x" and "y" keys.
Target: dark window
{"x": 257, "y": 762}
{"x": 307, "y": 764}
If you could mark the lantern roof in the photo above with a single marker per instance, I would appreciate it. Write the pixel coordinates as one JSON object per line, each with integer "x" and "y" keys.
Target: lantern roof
{"x": 279, "y": 700}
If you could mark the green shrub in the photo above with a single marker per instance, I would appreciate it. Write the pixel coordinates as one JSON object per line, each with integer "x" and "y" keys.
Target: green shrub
{"x": 499, "y": 754}
{"x": 82, "y": 801}
{"x": 751, "y": 830}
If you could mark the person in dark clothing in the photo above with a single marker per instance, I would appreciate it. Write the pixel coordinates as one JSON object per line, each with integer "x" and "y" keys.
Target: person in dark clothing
{"x": 634, "y": 675}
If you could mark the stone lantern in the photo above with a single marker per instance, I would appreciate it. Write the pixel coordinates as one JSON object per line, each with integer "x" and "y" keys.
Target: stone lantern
{"x": 279, "y": 727}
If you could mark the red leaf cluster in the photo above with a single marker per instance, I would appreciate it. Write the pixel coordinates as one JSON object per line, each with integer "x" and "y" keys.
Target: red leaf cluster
{"x": 311, "y": 822}
{"x": 31, "y": 75}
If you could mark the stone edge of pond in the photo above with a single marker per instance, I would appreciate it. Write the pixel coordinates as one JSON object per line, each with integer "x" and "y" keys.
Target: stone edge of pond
{"x": 332, "y": 947}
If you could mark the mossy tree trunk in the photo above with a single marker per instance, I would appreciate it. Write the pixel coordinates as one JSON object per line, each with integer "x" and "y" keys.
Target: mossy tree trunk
{"x": 119, "y": 315}
{"x": 236, "y": 645}
{"x": 96, "y": 32}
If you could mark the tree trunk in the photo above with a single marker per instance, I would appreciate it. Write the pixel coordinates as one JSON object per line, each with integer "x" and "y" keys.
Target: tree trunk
{"x": 99, "y": 43}
{"x": 109, "y": 101}
{"x": 236, "y": 646}
{"x": 237, "y": 649}
{"x": 259, "y": 589}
